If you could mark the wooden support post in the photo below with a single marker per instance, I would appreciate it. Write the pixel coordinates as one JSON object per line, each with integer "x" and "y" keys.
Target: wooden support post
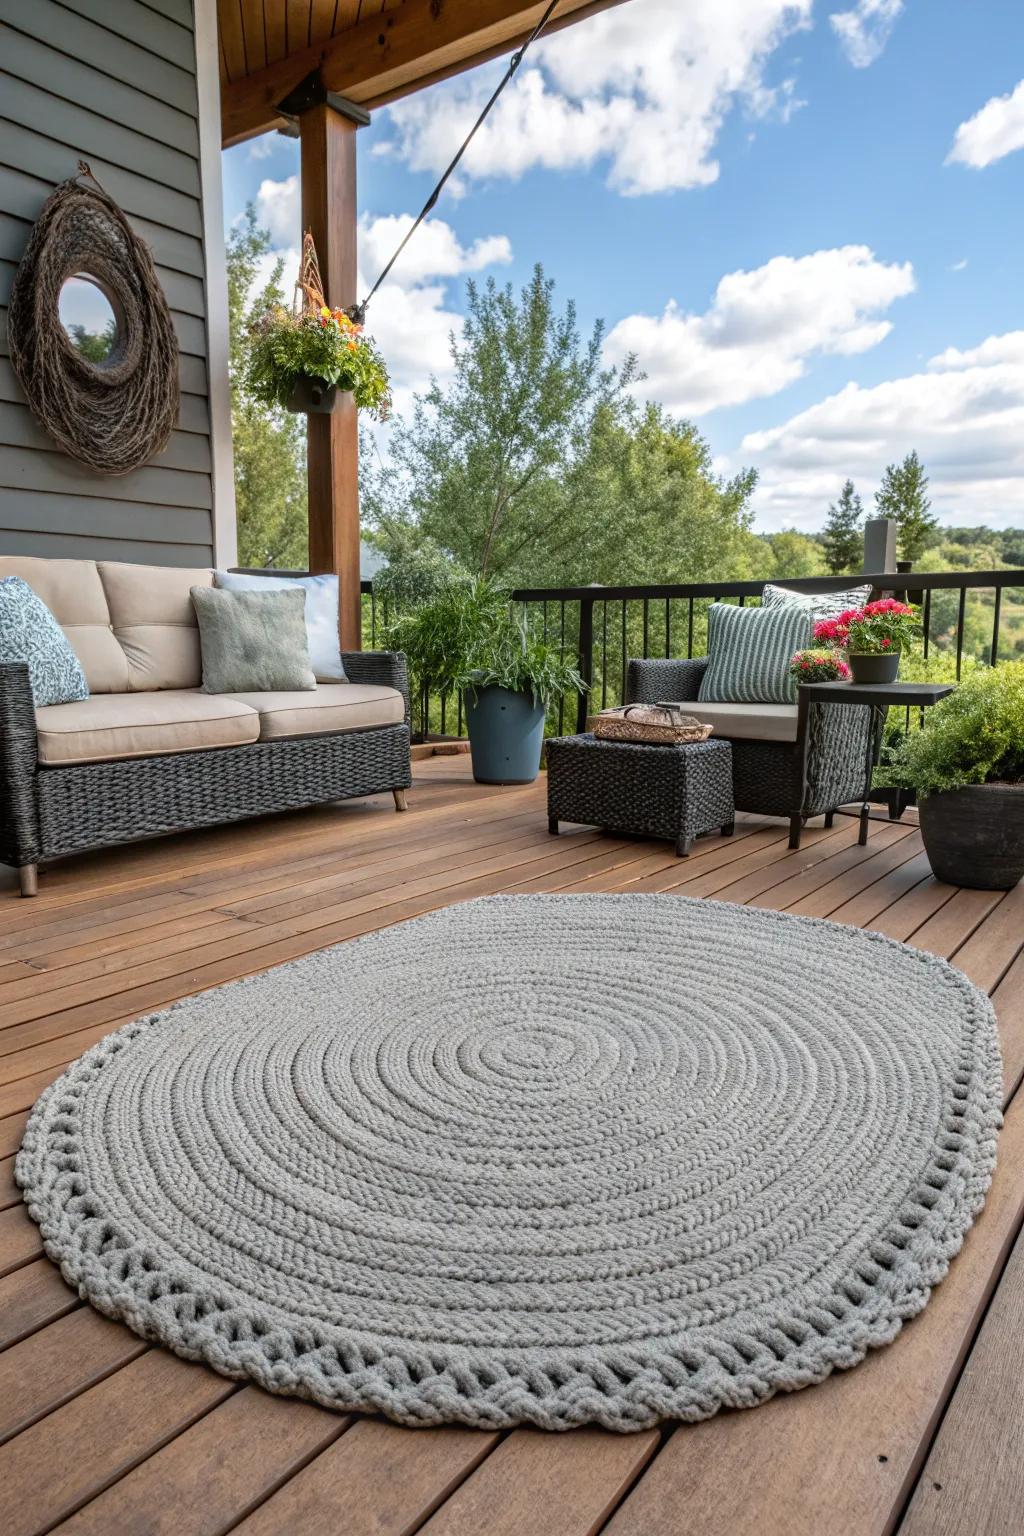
{"x": 328, "y": 146}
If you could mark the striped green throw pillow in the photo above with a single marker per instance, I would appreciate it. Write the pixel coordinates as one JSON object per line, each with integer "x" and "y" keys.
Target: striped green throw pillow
{"x": 749, "y": 651}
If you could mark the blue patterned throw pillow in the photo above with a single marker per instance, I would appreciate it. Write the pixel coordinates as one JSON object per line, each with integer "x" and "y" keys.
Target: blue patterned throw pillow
{"x": 820, "y": 605}
{"x": 749, "y": 651}
{"x": 30, "y": 633}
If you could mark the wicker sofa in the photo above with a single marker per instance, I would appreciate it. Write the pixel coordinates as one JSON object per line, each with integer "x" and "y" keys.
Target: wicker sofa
{"x": 788, "y": 760}
{"x": 148, "y": 752}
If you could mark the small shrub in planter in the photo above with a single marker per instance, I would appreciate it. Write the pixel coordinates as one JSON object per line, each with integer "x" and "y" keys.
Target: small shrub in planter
{"x": 819, "y": 666}
{"x": 873, "y": 637}
{"x": 468, "y": 640}
{"x": 967, "y": 767}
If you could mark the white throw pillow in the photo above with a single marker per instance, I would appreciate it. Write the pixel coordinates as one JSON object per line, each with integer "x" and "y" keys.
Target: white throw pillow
{"x": 321, "y": 615}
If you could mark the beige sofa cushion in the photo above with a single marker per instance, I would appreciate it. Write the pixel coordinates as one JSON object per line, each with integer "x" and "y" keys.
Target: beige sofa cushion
{"x": 747, "y": 722}
{"x": 329, "y": 707}
{"x": 154, "y": 622}
{"x": 110, "y": 726}
{"x": 73, "y": 592}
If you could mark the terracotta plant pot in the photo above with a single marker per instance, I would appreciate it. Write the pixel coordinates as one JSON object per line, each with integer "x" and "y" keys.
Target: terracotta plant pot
{"x": 312, "y": 396}
{"x": 975, "y": 836}
{"x": 881, "y": 668}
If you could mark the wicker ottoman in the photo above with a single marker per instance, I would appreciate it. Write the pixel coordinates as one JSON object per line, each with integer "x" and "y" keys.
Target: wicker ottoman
{"x": 674, "y": 792}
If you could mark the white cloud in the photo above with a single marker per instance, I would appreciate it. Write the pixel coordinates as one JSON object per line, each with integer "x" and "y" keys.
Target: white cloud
{"x": 958, "y": 266}
{"x": 864, "y": 30}
{"x": 994, "y": 131}
{"x": 762, "y": 326}
{"x": 261, "y": 148}
{"x": 643, "y": 88}
{"x": 409, "y": 318}
{"x": 964, "y": 416}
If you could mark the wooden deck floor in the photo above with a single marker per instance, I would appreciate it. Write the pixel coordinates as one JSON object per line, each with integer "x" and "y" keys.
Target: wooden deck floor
{"x": 102, "y": 1433}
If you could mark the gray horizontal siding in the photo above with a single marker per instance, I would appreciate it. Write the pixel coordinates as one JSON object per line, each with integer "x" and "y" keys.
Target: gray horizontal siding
{"x": 68, "y": 546}
{"x": 22, "y": 196}
{"x": 37, "y": 64}
{"x": 113, "y": 84}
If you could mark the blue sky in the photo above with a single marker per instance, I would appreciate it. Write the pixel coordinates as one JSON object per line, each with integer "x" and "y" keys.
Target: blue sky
{"x": 855, "y": 175}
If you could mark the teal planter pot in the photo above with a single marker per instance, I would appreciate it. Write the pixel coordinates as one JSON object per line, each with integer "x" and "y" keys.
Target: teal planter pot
{"x": 506, "y": 733}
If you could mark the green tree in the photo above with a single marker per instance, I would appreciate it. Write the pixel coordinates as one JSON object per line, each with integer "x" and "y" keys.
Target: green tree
{"x": 792, "y": 554}
{"x": 843, "y": 538}
{"x": 903, "y": 497}
{"x": 269, "y": 444}
{"x": 534, "y": 463}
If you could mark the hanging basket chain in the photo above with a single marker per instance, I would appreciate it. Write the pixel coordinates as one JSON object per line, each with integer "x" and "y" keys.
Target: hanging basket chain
{"x": 357, "y": 312}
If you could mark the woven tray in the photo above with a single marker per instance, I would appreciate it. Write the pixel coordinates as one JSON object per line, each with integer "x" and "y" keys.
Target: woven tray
{"x": 658, "y": 724}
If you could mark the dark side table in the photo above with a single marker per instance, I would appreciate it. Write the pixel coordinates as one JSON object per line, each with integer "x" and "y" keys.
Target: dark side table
{"x": 880, "y": 697}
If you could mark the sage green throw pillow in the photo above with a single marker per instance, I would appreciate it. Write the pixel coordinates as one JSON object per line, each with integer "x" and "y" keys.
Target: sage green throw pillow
{"x": 749, "y": 651}
{"x": 253, "y": 642}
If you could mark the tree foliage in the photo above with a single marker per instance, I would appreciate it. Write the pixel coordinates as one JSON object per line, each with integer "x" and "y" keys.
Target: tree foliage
{"x": 269, "y": 443}
{"x": 533, "y": 462}
{"x": 903, "y": 496}
{"x": 843, "y": 539}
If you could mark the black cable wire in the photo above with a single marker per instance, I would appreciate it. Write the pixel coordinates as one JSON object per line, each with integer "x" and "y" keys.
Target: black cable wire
{"x": 357, "y": 312}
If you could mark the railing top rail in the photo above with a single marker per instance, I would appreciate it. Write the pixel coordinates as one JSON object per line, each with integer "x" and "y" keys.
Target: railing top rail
{"x": 884, "y": 581}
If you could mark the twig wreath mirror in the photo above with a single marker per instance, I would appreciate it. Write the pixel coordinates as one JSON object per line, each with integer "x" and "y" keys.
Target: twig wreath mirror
{"x": 91, "y": 337}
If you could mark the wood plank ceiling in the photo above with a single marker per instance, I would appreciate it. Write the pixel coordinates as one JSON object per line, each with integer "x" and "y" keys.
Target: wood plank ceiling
{"x": 370, "y": 50}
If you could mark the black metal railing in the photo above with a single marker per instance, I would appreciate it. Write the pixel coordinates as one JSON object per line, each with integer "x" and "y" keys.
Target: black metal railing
{"x": 964, "y": 614}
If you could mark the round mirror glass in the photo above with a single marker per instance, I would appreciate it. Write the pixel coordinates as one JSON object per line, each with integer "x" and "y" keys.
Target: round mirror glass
{"x": 87, "y": 315}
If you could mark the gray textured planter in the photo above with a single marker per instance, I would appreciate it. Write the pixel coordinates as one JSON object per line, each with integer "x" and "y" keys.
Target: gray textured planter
{"x": 874, "y": 669}
{"x": 506, "y": 733}
{"x": 975, "y": 836}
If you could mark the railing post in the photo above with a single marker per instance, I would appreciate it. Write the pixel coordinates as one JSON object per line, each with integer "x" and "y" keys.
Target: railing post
{"x": 585, "y": 662}
{"x": 879, "y": 545}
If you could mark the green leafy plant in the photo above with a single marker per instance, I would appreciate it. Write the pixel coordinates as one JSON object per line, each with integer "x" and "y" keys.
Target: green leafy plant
{"x": 974, "y": 736}
{"x": 321, "y": 344}
{"x": 818, "y": 666}
{"x": 468, "y": 637}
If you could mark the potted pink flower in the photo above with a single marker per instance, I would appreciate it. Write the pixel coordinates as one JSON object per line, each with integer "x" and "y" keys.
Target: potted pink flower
{"x": 819, "y": 666}
{"x": 873, "y": 637}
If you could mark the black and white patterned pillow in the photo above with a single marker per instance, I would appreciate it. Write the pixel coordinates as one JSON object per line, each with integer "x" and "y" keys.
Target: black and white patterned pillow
{"x": 30, "y": 633}
{"x": 820, "y": 605}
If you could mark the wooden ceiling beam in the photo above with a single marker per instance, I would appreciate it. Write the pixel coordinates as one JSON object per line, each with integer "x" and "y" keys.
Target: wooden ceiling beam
{"x": 392, "y": 54}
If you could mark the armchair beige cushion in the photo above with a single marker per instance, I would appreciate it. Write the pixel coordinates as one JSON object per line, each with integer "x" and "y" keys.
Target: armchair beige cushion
{"x": 747, "y": 722}
{"x": 330, "y": 707}
{"x": 110, "y": 726}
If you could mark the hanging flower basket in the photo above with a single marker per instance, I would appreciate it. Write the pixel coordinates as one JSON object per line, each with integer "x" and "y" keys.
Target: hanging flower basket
{"x": 304, "y": 358}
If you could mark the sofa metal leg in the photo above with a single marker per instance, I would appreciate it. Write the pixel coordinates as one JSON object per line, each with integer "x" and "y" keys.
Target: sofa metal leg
{"x": 683, "y": 846}
{"x": 553, "y": 825}
{"x": 830, "y": 818}
{"x": 401, "y": 803}
{"x": 729, "y": 829}
{"x": 29, "y": 879}
{"x": 795, "y": 828}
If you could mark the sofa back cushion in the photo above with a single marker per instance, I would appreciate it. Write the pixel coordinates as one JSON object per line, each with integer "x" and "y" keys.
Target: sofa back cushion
{"x": 154, "y": 622}
{"x": 73, "y": 592}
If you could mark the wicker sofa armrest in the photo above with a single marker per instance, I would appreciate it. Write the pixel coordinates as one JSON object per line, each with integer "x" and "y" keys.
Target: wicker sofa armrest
{"x": 649, "y": 682}
{"x": 388, "y": 669}
{"x": 19, "y": 824}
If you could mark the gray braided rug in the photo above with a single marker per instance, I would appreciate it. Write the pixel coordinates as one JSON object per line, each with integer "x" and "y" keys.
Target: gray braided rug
{"x": 550, "y": 1159}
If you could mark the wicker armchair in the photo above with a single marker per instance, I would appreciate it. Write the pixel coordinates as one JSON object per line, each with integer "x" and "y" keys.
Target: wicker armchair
{"x": 47, "y": 811}
{"x": 821, "y": 770}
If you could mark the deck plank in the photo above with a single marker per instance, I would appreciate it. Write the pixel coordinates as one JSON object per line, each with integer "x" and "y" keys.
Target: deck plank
{"x": 564, "y": 1486}
{"x": 973, "y": 1480}
{"x": 212, "y": 1474}
{"x": 71, "y": 1456}
{"x": 57, "y": 1363}
{"x": 31, "y": 1297}
{"x": 841, "y": 1456}
{"x": 377, "y": 1480}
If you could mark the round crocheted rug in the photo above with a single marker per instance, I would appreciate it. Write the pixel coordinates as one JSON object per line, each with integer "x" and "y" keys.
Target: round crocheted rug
{"x": 545, "y": 1159}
